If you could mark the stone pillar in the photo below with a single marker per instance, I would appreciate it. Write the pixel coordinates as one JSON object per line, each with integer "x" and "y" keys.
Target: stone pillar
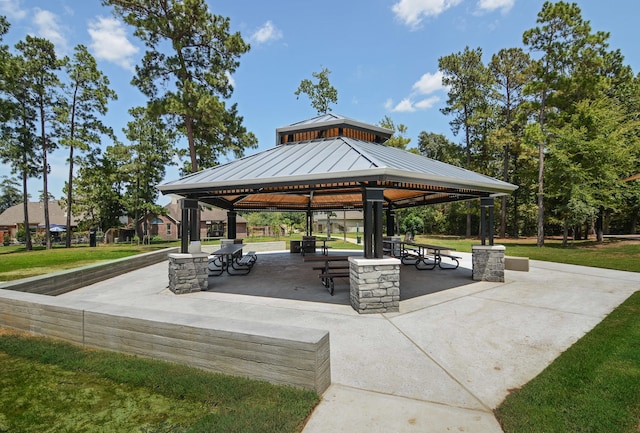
{"x": 188, "y": 272}
{"x": 375, "y": 285}
{"x": 488, "y": 262}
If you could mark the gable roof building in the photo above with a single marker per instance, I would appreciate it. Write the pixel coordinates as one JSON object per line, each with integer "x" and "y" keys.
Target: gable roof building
{"x": 13, "y": 218}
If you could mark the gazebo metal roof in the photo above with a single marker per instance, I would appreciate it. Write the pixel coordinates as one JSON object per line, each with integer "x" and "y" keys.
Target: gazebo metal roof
{"x": 330, "y": 174}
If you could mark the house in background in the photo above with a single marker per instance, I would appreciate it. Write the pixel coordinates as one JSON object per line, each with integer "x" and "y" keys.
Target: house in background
{"x": 213, "y": 222}
{"x": 12, "y": 219}
{"x": 352, "y": 220}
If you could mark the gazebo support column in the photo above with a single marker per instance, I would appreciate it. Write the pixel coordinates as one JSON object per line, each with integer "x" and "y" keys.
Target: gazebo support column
{"x": 188, "y": 270}
{"x": 309, "y": 223}
{"x": 194, "y": 224}
{"x": 374, "y": 285}
{"x": 373, "y": 199}
{"x": 487, "y": 260}
{"x": 391, "y": 220}
{"x": 231, "y": 224}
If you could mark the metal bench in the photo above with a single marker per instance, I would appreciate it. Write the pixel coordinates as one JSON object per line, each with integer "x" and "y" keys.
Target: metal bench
{"x": 449, "y": 256}
{"x": 327, "y": 279}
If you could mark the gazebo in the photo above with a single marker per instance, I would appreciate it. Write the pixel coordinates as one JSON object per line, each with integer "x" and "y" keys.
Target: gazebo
{"x": 332, "y": 163}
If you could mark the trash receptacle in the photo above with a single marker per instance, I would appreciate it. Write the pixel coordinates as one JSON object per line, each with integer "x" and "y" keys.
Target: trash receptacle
{"x": 92, "y": 237}
{"x": 309, "y": 244}
{"x": 294, "y": 246}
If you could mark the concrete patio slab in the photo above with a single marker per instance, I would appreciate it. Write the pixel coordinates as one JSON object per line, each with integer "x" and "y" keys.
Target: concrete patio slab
{"x": 442, "y": 363}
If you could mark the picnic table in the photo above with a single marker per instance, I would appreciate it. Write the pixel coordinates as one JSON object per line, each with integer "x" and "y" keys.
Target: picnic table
{"x": 310, "y": 245}
{"x": 229, "y": 258}
{"x": 324, "y": 247}
{"x": 423, "y": 256}
{"x": 332, "y": 267}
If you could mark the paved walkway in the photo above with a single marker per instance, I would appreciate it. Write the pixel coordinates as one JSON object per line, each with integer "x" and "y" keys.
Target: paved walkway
{"x": 441, "y": 364}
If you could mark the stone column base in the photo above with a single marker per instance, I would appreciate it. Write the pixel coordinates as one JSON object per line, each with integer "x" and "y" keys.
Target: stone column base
{"x": 375, "y": 285}
{"x": 188, "y": 272}
{"x": 488, "y": 263}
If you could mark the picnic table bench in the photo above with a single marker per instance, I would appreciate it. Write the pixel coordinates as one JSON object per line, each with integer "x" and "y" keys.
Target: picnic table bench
{"x": 333, "y": 267}
{"x": 228, "y": 258}
{"x": 424, "y": 256}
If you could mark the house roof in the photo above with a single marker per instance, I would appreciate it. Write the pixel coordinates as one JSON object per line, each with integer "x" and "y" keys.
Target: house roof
{"x": 15, "y": 214}
{"x": 330, "y": 173}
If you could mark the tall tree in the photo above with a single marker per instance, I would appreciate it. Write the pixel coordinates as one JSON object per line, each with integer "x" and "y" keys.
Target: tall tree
{"x": 18, "y": 144}
{"x": 589, "y": 156}
{"x": 99, "y": 188}
{"x": 440, "y": 148}
{"x": 187, "y": 84}
{"x": 469, "y": 83}
{"x": 560, "y": 39}
{"x": 40, "y": 68}
{"x": 398, "y": 139}
{"x": 321, "y": 93}
{"x": 86, "y": 95}
{"x": 149, "y": 153}
{"x": 511, "y": 70}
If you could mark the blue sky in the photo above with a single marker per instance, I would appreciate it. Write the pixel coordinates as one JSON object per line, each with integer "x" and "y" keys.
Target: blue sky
{"x": 383, "y": 54}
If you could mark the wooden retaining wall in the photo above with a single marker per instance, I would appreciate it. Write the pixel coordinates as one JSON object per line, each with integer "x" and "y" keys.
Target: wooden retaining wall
{"x": 278, "y": 354}
{"x": 61, "y": 282}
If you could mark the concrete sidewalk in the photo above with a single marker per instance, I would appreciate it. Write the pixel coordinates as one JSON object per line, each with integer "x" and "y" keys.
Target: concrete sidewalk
{"x": 441, "y": 364}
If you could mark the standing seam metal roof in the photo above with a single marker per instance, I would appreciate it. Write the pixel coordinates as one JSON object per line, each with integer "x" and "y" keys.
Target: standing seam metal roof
{"x": 334, "y": 155}
{"x": 287, "y": 175}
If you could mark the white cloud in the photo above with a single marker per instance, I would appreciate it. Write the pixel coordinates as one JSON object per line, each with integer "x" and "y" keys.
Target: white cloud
{"x": 267, "y": 33}
{"x": 492, "y": 5}
{"x": 404, "y": 106}
{"x": 12, "y": 9}
{"x": 49, "y": 28}
{"x": 412, "y": 12}
{"x": 109, "y": 42}
{"x": 429, "y": 83}
{"x": 408, "y": 105}
{"x": 427, "y": 103}
{"x": 419, "y": 98}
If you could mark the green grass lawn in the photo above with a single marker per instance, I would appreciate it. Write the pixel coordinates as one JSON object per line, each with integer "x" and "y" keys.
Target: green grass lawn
{"x": 18, "y": 263}
{"x": 611, "y": 254}
{"x": 48, "y": 384}
{"x": 592, "y": 387}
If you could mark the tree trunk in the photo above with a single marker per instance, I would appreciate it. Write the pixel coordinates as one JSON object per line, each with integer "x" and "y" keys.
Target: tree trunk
{"x": 67, "y": 242}
{"x": 503, "y": 207}
{"x": 188, "y": 120}
{"x": 70, "y": 181}
{"x": 565, "y": 231}
{"x": 25, "y": 208}
{"x": 45, "y": 180}
{"x": 599, "y": 225}
{"x": 516, "y": 232}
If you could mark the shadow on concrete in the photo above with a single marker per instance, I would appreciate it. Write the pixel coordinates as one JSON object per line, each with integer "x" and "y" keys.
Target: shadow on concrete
{"x": 285, "y": 275}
